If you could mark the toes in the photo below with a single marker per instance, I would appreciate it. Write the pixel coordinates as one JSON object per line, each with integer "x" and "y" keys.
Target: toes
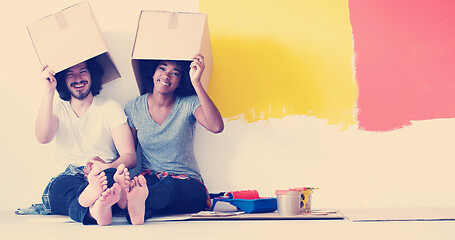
{"x": 133, "y": 182}
{"x": 120, "y": 169}
{"x": 106, "y": 193}
{"x": 142, "y": 181}
{"x": 102, "y": 178}
{"x": 115, "y": 187}
{"x": 126, "y": 183}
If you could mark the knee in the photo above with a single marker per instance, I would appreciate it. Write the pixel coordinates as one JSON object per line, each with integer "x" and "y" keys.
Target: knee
{"x": 65, "y": 183}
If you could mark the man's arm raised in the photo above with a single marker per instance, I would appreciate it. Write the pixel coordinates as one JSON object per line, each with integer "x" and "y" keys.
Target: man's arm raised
{"x": 46, "y": 122}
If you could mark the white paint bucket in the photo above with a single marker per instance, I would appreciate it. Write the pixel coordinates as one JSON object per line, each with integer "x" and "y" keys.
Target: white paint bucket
{"x": 288, "y": 202}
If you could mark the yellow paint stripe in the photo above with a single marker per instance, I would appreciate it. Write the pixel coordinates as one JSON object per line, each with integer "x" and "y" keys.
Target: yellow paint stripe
{"x": 278, "y": 58}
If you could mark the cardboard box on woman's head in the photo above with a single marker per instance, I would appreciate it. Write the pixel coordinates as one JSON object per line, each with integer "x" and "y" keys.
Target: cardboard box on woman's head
{"x": 175, "y": 36}
{"x": 69, "y": 37}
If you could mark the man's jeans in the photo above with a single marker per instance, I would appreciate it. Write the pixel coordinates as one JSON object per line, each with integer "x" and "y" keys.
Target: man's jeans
{"x": 64, "y": 196}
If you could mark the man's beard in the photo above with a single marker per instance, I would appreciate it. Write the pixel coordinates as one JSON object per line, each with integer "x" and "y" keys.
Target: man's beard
{"x": 80, "y": 95}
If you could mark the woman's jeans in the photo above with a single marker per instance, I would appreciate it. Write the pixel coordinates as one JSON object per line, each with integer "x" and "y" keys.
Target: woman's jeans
{"x": 172, "y": 196}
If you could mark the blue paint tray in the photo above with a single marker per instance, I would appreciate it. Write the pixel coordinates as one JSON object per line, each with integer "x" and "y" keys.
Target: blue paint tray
{"x": 261, "y": 205}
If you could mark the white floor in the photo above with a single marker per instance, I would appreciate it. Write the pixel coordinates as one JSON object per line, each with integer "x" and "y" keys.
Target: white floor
{"x": 60, "y": 227}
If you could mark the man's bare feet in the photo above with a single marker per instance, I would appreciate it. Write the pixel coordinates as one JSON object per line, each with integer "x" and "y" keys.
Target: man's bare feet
{"x": 122, "y": 177}
{"x": 136, "y": 199}
{"x": 97, "y": 184}
{"x": 101, "y": 210}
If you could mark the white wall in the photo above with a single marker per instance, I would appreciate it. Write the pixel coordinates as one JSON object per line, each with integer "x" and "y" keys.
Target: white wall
{"x": 28, "y": 164}
{"x": 410, "y": 167}
{"x": 407, "y": 167}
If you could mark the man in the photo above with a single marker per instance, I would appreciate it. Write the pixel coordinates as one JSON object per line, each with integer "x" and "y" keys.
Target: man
{"x": 92, "y": 138}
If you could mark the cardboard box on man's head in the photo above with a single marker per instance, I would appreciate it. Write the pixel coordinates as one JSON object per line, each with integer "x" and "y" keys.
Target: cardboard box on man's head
{"x": 175, "y": 36}
{"x": 69, "y": 37}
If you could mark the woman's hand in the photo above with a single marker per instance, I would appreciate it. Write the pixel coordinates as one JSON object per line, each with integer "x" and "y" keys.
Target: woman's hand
{"x": 48, "y": 79}
{"x": 207, "y": 114}
{"x": 197, "y": 68}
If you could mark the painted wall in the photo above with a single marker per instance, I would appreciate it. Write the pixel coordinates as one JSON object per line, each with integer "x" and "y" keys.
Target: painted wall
{"x": 309, "y": 95}
{"x": 343, "y": 78}
{"x": 278, "y": 59}
{"x": 404, "y": 60}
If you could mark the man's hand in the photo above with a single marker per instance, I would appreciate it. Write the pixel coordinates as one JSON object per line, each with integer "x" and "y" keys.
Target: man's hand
{"x": 95, "y": 161}
{"x": 48, "y": 79}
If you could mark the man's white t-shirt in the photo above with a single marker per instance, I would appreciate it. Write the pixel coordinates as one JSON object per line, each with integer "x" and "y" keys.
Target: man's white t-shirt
{"x": 79, "y": 139}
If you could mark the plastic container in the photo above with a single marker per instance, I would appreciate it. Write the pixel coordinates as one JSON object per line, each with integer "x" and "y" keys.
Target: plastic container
{"x": 261, "y": 205}
{"x": 288, "y": 202}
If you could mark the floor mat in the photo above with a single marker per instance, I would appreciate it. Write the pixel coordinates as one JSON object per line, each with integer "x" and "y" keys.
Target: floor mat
{"x": 399, "y": 214}
{"x": 315, "y": 215}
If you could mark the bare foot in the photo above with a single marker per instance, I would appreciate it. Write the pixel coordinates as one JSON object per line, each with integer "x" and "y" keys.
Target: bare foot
{"x": 101, "y": 210}
{"x": 97, "y": 184}
{"x": 136, "y": 199}
{"x": 122, "y": 177}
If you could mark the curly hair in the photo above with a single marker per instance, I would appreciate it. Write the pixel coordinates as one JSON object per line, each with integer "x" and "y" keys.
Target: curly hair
{"x": 148, "y": 68}
{"x": 96, "y": 75}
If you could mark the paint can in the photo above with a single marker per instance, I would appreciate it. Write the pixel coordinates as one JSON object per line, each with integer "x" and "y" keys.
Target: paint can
{"x": 305, "y": 198}
{"x": 288, "y": 202}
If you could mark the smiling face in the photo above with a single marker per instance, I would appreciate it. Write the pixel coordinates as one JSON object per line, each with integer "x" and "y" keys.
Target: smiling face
{"x": 78, "y": 81}
{"x": 167, "y": 77}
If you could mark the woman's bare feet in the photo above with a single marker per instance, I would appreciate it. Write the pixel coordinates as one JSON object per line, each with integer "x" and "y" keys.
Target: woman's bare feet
{"x": 101, "y": 210}
{"x": 136, "y": 199}
{"x": 122, "y": 177}
{"x": 97, "y": 184}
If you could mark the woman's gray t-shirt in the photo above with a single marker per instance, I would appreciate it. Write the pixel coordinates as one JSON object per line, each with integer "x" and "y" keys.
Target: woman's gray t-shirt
{"x": 167, "y": 147}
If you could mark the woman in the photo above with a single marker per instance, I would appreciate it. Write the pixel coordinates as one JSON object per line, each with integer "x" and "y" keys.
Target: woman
{"x": 162, "y": 122}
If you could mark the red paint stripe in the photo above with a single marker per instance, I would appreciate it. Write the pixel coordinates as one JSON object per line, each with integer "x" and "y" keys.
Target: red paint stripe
{"x": 405, "y": 61}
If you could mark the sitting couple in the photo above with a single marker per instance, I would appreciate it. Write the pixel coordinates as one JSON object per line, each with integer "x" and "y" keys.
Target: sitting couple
{"x": 96, "y": 140}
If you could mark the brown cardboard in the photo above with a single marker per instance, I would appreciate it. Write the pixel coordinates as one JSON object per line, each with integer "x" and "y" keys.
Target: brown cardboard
{"x": 71, "y": 36}
{"x": 400, "y": 214}
{"x": 165, "y": 35}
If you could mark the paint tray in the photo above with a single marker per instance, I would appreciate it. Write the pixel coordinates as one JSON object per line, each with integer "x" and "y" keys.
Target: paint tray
{"x": 260, "y": 205}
